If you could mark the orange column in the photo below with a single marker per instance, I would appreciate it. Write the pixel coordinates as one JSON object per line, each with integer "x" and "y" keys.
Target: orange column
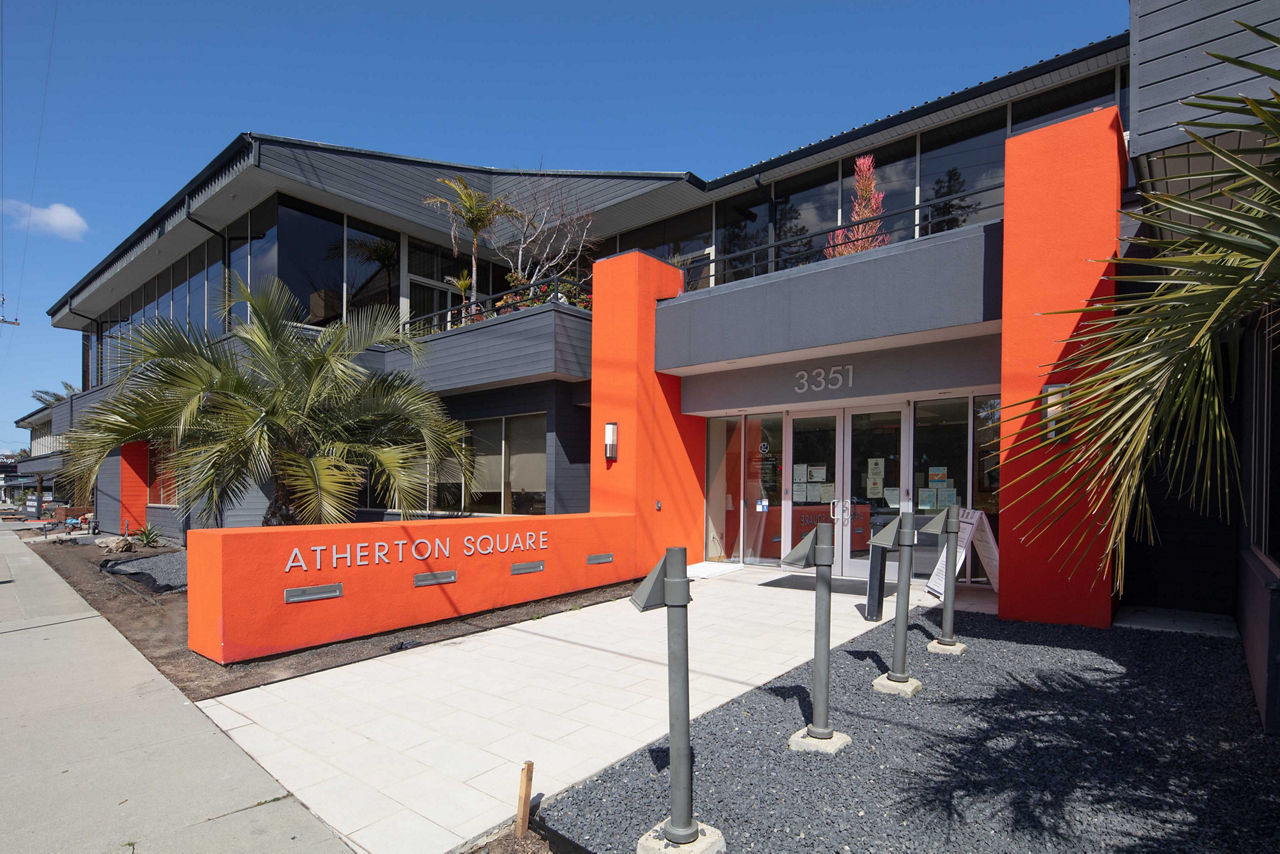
{"x": 1062, "y": 197}
{"x": 661, "y": 462}
{"x": 133, "y": 486}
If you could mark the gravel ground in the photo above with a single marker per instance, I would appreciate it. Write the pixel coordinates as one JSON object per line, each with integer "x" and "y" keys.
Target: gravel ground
{"x": 167, "y": 571}
{"x": 1039, "y": 738}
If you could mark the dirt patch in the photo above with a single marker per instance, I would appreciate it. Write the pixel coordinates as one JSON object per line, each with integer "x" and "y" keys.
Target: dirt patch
{"x": 508, "y": 844}
{"x": 157, "y": 625}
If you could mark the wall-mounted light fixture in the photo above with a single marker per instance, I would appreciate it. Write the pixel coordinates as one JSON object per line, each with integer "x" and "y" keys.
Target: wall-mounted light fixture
{"x": 1054, "y": 399}
{"x": 611, "y": 441}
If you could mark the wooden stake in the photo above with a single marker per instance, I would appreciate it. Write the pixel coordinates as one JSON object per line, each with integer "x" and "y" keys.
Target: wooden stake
{"x": 522, "y": 805}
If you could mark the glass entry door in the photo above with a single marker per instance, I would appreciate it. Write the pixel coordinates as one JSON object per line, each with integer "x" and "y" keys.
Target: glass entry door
{"x": 846, "y": 467}
{"x": 873, "y": 475}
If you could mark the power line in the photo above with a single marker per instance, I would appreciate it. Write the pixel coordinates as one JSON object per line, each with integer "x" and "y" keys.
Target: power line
{"x": 35, "y": 169}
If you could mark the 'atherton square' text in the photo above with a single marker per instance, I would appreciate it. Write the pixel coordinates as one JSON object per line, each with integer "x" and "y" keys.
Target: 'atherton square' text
{"x": 398, "y": 551}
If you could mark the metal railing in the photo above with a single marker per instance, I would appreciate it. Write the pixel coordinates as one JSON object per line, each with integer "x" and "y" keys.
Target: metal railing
{"x": 558, "y": 291}
{"x": 934, "y": 216}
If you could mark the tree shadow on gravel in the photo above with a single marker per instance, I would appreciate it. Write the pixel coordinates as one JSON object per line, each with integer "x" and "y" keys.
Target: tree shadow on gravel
{"x": 794, "y": 692}
{"x": 660, "y": 756}
{"x": 1133, "y": 741}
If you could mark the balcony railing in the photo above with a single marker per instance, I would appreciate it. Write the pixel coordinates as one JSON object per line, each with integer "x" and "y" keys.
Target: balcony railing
{"x": 927, "y": 218}
{"x": 557, "y": 291}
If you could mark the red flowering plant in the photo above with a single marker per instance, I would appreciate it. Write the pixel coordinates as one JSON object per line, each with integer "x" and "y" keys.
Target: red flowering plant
{"x": 868, "y": 204}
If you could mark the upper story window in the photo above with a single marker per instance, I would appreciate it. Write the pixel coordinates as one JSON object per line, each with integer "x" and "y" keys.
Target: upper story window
{"x": 311, "y": 265}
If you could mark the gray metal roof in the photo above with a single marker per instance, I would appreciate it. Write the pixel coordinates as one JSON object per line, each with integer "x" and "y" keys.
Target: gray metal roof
{"x": 395, "y": 185}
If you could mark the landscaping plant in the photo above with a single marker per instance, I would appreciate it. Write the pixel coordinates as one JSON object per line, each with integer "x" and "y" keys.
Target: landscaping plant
{"x": 274, "y": 405}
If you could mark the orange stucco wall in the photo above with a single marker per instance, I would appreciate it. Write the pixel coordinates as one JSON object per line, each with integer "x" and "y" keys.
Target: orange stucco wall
{"x": 1062, "y": 200}
{"x": 133, "y": 486}
{"x": 650, "y": 498}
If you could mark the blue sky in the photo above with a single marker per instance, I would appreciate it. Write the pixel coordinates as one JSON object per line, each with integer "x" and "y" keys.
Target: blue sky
{"x": 142, "y": 95}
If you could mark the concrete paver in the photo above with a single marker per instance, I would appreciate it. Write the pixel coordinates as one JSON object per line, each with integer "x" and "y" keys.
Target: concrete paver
{"x": 421, "y": 750}
{"x": 100, "y": 751}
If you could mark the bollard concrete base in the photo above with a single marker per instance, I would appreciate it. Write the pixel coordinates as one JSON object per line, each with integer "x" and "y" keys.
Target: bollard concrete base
{"x": 956, "y": 648}
{"x": 804, "y": 743}
{"x": 885, "y": 685}
{"x": 709, "y": 841}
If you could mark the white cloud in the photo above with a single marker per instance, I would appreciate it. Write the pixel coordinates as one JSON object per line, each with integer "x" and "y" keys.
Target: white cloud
{"x": 58, "y": 219}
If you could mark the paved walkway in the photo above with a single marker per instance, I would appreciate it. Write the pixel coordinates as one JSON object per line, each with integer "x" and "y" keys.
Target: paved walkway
{"x": 421, "y": 750}
{"x": 99, "y": 752}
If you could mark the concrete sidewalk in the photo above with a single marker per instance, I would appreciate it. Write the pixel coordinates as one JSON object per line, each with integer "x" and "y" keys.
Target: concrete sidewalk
{"x": 421, "y": 750}
{"x": 99, "y": 752}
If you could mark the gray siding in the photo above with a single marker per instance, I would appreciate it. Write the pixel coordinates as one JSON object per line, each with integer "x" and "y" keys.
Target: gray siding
{"x": 44, "y": 464}
{"x": 107, "y": 494}
{"x": 903, "y": 371}
{"x": 68, "y": 413}
{"x": 542, "y": 343}
{"x": 1258, "y": 618}
{"x": 169, "y": 521}
{"x": 1169, "y": 42}
{"x": 248, "y": 513}
{"x": 949, "y": 280}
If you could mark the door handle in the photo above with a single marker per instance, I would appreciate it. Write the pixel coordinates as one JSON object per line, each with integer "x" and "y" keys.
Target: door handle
{"x": 835, "y": 510}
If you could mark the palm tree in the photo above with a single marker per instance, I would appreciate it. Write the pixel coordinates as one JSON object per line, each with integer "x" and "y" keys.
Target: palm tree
{"x": 1155, "y": 366}
{"x": 471, "y": 209}
{"x": 49, "y": 398}
{"x": 278, "y": 404}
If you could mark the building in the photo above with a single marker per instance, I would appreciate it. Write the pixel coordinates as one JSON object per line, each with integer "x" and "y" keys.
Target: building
{"x": 842, "y": 372}
{"x": 39, "y": 471}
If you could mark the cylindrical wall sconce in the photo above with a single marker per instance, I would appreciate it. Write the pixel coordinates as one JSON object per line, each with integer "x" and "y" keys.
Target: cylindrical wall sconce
{"x": 1055, "y": 405}
{"x": 611, "y": 441}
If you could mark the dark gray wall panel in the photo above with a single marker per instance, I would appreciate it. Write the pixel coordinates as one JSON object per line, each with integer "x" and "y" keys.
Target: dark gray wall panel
{"x": 522, "y": 347}
{"x": 904, "y": 371}
{"x": 43, "y": 464}
{"x": 248, "y": 513}
{"x": 1169, "y": 42}
{"x": 107, "y": 494}
{"x": 1258, "y": 618}
{"x": 952, "y": 279}
{"x": 68, "y": 413}
{"x": 169, "y": 521}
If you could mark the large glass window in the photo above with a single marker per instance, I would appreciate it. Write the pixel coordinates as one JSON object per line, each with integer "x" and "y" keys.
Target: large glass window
{"x": 724, "y": 487}
{"x": 895, "y": 171}
{"x": 179, "y": 293}
{"x": 196, "y": 288}
{"x": 237, "y": 260}
{"x": 160, "y": 484}
{"x": 957, "y": 163}
{"x": 1074, "y": 99}
{"x": 373, "y": 265}
{"x": 804, "y": 207}
{"x": 215, "y": 284}
{"x": 940, "y": 470}
{"x": 310, "y": 259}
{"x": 682, "y": 241}
{"x": 263, "y": 245}
{"x": 164, "y": 290}
{"x": 149, "y": 299}
{"x": 525, "y": 484}
{"x": 742, "y": 223}
{"x": 986, "y": 471}
{"x": 485, "y": 495}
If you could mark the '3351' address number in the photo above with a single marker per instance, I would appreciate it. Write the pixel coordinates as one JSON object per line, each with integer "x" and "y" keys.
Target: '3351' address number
{"x": 821, "y": 379}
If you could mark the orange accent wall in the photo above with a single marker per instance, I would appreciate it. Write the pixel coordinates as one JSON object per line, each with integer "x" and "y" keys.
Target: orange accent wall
{"x": 134, "y": 491}
{"x": 661, "y": 452}
{"x": 1061, "y": 202}
{"x": 236, "y": 578}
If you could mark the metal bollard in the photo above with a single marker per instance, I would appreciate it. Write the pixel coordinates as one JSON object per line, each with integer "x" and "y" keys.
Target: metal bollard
{"x": 949, "y": 587}
{"x": 823, "y": 556}
{"x": 906, "y": 548}
{"x": 681, "y": 827}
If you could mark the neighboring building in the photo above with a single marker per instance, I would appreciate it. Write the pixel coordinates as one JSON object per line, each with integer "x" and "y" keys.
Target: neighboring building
{"x": 40, "y": 470}
{"x": 833, "y": 382}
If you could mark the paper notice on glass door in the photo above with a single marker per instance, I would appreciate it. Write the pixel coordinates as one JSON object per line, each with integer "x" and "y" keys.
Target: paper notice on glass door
{"x": 875, "y": 467}
{"x": 892, "y": 496}
{"x": 799, "y": 473}
{"x": 875, "y": 487}
{"x": 828, "y": 493}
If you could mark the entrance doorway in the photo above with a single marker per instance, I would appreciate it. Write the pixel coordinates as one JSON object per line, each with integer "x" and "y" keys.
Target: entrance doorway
{"x": 847, "y": 466}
